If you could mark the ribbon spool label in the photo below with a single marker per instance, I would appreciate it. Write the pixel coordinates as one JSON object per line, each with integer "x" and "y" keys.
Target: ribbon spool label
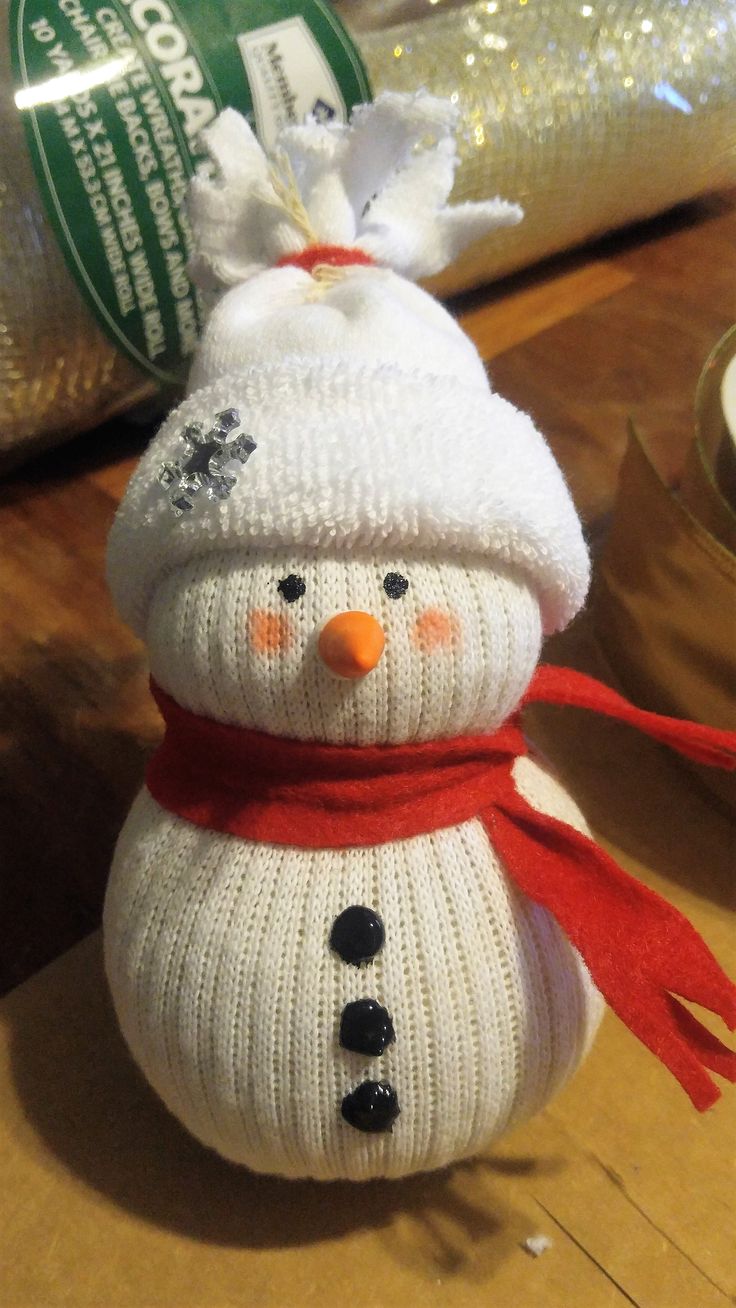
{"x": 114, "y": 98}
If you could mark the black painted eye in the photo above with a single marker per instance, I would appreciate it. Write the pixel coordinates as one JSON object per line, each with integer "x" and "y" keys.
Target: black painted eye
{"x": 395, "y": 585}
{"x": 292, "y": 588}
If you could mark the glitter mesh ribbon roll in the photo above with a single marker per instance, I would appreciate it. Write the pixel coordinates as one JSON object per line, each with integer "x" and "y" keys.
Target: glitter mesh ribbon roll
{"x": 591, "y": 115}
{"x": 59, "y": 372}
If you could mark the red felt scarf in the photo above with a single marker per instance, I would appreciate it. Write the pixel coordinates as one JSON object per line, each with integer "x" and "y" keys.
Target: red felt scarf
{"x": 640, "y": 951}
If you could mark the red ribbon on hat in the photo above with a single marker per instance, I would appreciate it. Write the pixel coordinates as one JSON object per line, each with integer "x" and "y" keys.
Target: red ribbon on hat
{"x": 338, "y": 256}
{"x": 640, "y": 951}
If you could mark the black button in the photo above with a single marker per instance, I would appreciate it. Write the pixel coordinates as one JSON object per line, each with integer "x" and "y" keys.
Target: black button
{"x": 372, "y": 1106}
{"x": 357, "y": 934}
{"x": 393, "y": 583}
{"x": 291, "y": 588}
{"x": 366, "y": 1027}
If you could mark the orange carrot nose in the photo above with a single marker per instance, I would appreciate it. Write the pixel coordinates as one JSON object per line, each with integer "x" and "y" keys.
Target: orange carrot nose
{"x": 351, "y": 644}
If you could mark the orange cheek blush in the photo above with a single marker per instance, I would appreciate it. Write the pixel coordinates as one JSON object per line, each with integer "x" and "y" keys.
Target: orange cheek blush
{"x": 268, "y": 632}
{"x": 436, "y": 630}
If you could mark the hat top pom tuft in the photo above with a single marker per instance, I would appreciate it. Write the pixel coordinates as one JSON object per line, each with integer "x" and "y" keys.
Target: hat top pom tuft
{"x": 379, "y": 184}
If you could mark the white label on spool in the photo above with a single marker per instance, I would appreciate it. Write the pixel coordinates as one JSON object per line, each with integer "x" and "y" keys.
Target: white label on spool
{"x": 289, "y": 78}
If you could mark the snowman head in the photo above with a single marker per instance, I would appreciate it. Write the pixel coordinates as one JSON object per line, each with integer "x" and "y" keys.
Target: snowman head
{"x": 431, "y": 507}
{"x": 345, "y": 647}
{"x": 342, "y": 533}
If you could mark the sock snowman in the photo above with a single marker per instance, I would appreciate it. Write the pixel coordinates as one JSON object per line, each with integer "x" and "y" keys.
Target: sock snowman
{"x": 347, "y": 914}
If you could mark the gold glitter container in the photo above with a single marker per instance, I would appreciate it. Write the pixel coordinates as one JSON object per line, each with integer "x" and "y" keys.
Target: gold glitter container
{"x": 590, "y": 115}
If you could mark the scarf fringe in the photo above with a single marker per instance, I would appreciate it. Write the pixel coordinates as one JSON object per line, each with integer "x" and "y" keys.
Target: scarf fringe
{"x": 640, "y": 950}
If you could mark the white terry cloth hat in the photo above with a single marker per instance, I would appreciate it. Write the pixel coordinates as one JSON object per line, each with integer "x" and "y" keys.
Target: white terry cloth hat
{"x": 379, "y": 184}
{"x": 373, "y": 420}
{"x": 369, "y": 316}
{"x": 351, "y": 456}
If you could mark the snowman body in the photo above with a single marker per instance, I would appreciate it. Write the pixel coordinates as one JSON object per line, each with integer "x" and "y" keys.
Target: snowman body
{"x": 231, "y": 996}
{"x": 228, "y": 984}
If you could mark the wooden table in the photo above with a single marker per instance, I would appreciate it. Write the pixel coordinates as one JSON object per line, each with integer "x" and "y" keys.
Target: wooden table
{"x": 106, "y": 1202}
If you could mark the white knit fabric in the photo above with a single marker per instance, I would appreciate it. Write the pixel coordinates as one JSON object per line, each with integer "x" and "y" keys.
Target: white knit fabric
{"x": 230, "y": 997}
{"x": 217, "y": 948}
{"x": 386, "y": 478}
{"x": 461, "y": 645}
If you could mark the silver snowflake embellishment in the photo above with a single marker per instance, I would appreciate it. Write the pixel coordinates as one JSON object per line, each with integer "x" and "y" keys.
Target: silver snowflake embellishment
{"x": 203, "y": 470}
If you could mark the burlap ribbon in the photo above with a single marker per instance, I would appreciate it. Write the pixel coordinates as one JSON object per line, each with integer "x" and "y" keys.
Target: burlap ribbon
{"x": 664, "y": 611}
